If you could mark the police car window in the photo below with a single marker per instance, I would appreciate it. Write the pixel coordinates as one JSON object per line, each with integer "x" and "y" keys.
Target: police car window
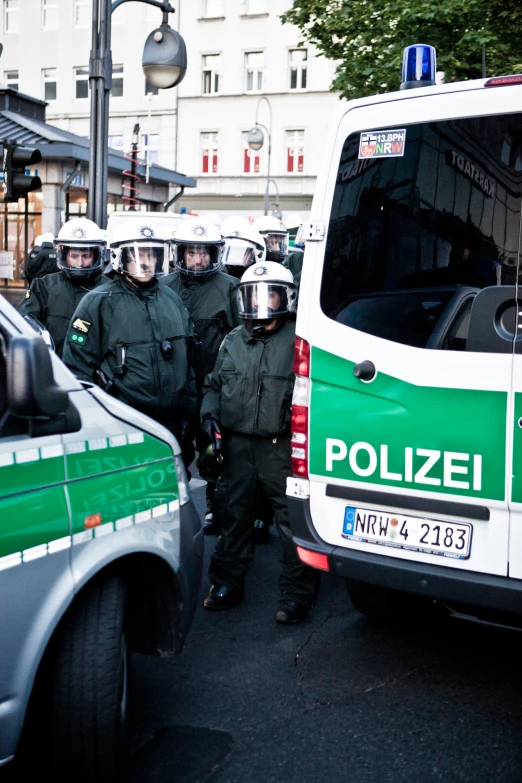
{"x": 409, "y": 232}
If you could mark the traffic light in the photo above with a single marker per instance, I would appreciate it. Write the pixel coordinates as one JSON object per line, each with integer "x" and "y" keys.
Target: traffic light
{"x": 16, "y": 159}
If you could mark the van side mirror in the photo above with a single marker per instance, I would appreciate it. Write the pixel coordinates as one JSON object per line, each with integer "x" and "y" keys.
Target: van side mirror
{"x": 31, "y": 390}
{"x": 493, "y": 321}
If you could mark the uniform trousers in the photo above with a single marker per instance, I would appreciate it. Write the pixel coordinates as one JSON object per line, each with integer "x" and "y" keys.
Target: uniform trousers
{"x": 248, "y": 461}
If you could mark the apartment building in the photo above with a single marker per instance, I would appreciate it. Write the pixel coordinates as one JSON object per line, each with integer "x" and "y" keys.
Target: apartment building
{"x": 242, "y": 63}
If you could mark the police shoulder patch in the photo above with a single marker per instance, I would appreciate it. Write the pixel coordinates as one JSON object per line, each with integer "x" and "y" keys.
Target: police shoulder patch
{"x": 77, "y": 339}
{"x": 81, "y": 325}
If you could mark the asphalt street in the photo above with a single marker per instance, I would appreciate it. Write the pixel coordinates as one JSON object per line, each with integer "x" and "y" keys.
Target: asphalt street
{"x": 336, "y": 698}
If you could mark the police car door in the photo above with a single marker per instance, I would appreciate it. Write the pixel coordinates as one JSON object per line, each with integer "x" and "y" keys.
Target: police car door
{"x": 422, "y": 209}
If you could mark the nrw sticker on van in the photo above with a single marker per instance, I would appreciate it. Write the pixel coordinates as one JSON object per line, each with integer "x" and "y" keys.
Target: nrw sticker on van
{"x": 382, "y": 143}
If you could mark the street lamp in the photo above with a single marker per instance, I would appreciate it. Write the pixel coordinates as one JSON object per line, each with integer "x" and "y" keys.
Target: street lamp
{"x": 164, "y": 64}
{"x": 276, "y": 212}
{"x": 256, "y": 139}
{"x": 164, "y": 57}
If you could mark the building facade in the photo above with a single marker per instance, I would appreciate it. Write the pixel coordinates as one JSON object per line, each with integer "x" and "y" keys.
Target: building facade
{"x": 239, "y": 53}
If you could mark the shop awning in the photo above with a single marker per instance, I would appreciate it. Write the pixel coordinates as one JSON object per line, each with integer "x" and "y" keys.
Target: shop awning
{"x": 55, "y": 143}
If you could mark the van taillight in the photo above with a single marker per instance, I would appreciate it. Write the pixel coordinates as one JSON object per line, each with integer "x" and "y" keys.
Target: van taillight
{"x": 302, "y": 357}
{"x": 300, "y": 399}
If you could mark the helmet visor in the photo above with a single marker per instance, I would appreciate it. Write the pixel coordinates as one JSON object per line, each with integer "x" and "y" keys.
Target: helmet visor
{"x": 276, "y": 245}
{"x": 259, "y": 301}
{"x": 197, "y": 260}
{"x": 143, "y": 261}
{"x": 79, "y": 261}
{"x": 239, "y": 252}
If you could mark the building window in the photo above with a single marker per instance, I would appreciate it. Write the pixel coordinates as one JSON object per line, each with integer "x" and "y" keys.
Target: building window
{"x": 150, "y": 147}
{"x": 211, "y": 74}
{"x": 251, "y": 158}
{"x": 11, "y": 16}
{"x": 81, "y": 77}
{"x": 82, "y": 13}
{"x": 295, "y": 151}
{"x": 255, "y": 7}
{"x": 49, "y": 84}
{"x": 117, "y": 81}
{"x": 298, "y": 62}
{"x": 116, "y": 143}
{"x": 49, "y": 14}
{"x": 11, "y": 79}
{"x": 212, "y": 8}
{"x": 209, "y": 153}
{"x": 150, "y": 89}
{"x": 254, "y": 63}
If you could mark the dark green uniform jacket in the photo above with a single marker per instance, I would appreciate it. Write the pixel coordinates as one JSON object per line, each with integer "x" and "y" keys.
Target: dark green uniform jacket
{"x": 212, "y": 303}
{"x": 294, "y": 262}
{"x": 141, "y": 321}
{"x": 250, "y": 388}
{"x": 41, "y": 261}
{"x": 52, "y": 300}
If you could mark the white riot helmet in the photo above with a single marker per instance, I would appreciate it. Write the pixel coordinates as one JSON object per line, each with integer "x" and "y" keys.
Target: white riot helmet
{"x": 197, "y": 248}
{"x": 242, "y": 249}
{"x": 139, "y": 250}
{"x": 80, "y": 247}
{"x": 275, "y": 235}
{"x": 266, "y": 291}
{"x": 233, "y": 223}
{"x": 46, "y": 239}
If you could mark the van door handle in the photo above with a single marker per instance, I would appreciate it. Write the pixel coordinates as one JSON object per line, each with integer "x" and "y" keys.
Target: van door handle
{"x": 365, "y": 370}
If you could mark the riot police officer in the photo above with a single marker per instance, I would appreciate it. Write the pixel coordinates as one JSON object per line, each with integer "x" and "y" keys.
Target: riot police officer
{"x": 41, "y": 260}
{"x": 275, "y": 234}
{"x": 210, "y": 296}
{"x": 52, "y": 299}
{"x": 243, "y": 247}
{"x": 132, "y": 336}
{"x": 246, "y": 406}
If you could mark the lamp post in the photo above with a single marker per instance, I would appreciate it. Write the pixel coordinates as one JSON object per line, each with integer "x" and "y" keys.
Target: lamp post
{"x": 256, "y": 139}
{"x": 276, "y": 211}
{"x": 164, "y": 64}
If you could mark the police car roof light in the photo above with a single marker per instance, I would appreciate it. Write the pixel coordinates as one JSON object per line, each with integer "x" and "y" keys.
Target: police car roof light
{"x": 419, "y": 66}
{"x": 501, "y": 81}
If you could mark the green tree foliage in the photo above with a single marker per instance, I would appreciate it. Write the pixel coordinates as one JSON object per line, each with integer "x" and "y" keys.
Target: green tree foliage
{"x": 367, "y": 37}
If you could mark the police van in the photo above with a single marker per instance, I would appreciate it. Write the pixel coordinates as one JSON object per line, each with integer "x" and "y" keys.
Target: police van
{"x": 407, "y": 410}
{"x": 100, "y": 555}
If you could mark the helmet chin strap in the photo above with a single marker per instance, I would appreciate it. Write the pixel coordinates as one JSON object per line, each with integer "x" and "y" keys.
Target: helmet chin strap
{"x": 260, "y": 328}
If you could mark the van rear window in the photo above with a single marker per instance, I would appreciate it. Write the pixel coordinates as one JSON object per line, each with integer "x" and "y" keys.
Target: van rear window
{"x": 413, "y": 238}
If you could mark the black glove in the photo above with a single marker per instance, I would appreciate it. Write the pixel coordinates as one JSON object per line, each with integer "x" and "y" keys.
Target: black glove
{"x": 212, "y": 430}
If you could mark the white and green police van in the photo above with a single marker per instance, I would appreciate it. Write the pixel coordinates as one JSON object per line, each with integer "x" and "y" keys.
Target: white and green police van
{"x": 100, "y": 555}
{"x": 407, "y": 414}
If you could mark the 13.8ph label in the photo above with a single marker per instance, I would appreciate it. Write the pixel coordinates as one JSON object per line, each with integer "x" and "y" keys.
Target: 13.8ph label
{"x": 382, "y": 143}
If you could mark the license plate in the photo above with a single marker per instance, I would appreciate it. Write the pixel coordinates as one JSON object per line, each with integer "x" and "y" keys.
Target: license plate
{"x": 418, "y": 534}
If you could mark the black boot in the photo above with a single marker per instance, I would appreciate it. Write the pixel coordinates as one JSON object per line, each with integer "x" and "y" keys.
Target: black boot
{"x": 290, "y": 612}
{"x": 222, "y": 597}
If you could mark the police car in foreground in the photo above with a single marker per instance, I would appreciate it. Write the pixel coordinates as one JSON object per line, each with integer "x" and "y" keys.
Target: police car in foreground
{"x": 100, "y": 555}
{"x": 407, "y": 410}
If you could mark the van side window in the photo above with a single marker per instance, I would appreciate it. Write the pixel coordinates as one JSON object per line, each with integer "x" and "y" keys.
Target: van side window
{"x": 410, "y": 236}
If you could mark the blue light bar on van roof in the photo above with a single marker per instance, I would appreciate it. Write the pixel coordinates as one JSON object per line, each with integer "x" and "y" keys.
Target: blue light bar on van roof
{"x": 419, "y": 66}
